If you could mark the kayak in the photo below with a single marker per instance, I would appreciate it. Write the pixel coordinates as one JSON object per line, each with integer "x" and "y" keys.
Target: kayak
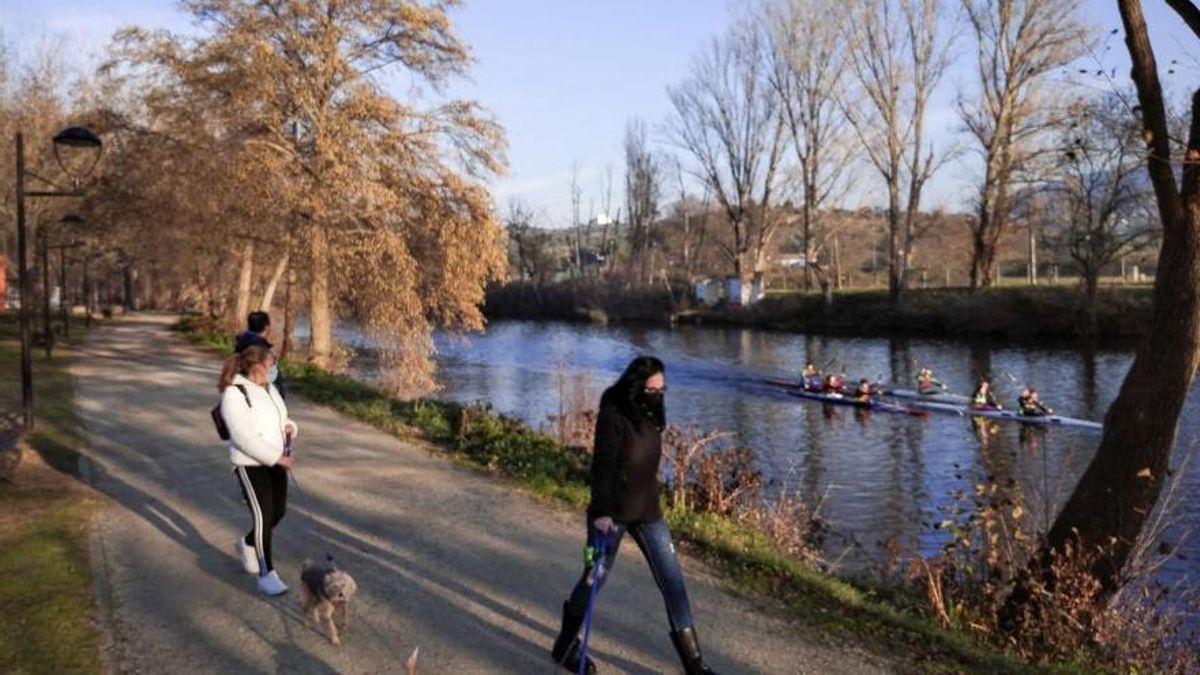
{"x": 839, "y": 399}
{"x": 1010, "y": 415}
{"x": 938, "y": 397}
{"x": 790, "y": 384}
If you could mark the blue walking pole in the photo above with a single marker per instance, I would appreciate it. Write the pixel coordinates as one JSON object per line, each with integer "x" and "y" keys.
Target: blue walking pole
{"x": 594, "y": 556}
{"x": 287, "y": 452}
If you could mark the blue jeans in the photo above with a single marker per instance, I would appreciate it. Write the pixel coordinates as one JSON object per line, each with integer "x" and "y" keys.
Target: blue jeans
{"x": 654, "y": 539}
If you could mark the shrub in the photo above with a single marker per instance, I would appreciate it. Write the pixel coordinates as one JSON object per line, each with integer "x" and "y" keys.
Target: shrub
{"x": 990, "y": 544}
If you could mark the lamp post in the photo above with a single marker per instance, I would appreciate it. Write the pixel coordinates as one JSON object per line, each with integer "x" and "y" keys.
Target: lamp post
{"x": 48, "y": 331}
{"x": 71, "y": 138}
{"x": 89, "y": 288}
{"x": 68, "y": 221}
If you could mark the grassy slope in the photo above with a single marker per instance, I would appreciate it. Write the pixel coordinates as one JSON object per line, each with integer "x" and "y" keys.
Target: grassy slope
{"x": 47, "y": 611}
{"x": 884, "y": 622}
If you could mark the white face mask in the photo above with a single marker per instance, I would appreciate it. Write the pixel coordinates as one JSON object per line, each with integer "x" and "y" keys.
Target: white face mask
{"x": 273, "y": 373}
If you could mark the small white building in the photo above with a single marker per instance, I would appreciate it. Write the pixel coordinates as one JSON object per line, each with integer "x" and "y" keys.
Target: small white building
{"x": 708, "y": 292}
{"x": 738, "y": 293}
{"x": 792, "y": 261}
{"x": 733, "y": 290}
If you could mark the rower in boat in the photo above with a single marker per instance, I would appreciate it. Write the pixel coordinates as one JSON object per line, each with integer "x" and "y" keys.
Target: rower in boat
{"x": 810, "y": 378}
{"x": 927, "y": 383}
{"x": 834, "y": 384}
{"x": 864, "y": 391}
{"x": 984, "y": 398}
{"x": 1029, "y": 405}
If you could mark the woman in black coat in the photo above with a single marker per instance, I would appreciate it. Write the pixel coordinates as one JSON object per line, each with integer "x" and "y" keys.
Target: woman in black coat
{"x": 625, "y": 498}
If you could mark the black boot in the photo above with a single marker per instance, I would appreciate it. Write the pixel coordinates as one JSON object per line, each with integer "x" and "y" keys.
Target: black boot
{"x": 566, "y": 646}
{"x": 689, "y": 652}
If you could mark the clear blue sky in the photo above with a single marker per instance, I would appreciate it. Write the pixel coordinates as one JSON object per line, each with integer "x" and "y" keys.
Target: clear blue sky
{"x": 564, "y": 76}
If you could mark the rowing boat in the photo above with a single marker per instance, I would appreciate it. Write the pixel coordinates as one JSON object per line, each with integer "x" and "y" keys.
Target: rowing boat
{"x": 841, "y": 399}
{"x": 1010, "y": 415}
{"x": 938, "y": 397}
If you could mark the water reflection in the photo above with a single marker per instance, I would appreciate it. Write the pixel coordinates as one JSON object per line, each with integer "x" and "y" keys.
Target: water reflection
{"x": 881, "y": 475}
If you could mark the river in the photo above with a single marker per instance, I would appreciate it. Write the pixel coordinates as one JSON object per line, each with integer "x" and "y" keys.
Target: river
{"x": 881, "y": 478}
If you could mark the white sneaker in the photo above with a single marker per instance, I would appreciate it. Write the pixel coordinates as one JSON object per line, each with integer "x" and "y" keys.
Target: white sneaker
{"x": 248, "y": 555}
{"x": 271, "y": 584}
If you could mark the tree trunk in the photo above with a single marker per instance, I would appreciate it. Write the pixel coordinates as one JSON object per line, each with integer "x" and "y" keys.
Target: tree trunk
{"x": 980, "y": 261}
{"x": 837, "y": 263}
{"x": 895, "y": 248}
{"x": 1119, "y": 489}
{"x": 983, "y": 258}
{"x": 807, "y": 243}
{"x": 320, "y": 350}
{"x": 289, "y": 319}
{"x": 744, "y": 276}
{"x": 244, "y": 282}
{"x": 1091, "y": 283}
{"x": 129, "y": 279}
{"x": 269, "y": 294}
{"x": 148, "y": 290}
{"x": 1032, "y": 265}
{"x": 826, "y": 289}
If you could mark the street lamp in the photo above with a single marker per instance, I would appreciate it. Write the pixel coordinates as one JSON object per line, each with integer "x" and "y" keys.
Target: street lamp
{"x": 79, "y": 142}
{"x": 68, "y": 221}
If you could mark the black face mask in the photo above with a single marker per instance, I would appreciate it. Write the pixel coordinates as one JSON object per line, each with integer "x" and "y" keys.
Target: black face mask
{"x": 649, "y": 402}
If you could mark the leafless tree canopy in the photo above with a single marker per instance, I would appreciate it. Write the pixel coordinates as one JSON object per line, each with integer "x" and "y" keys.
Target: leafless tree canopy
{"x": 807, "y": 59}
{"x": 1018, "y": 44}
{"x": 726, "y": 119}
{"x": 1104, "y": 197}
{"x": 642, "y": 191}
{"x": 897, "y": 54}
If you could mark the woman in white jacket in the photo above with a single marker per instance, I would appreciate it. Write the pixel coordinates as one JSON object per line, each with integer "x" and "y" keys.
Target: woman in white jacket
{"x": 258, "y": 426}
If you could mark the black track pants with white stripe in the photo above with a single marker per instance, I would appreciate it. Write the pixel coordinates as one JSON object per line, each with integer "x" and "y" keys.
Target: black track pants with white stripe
{"x": 265, "y": 490}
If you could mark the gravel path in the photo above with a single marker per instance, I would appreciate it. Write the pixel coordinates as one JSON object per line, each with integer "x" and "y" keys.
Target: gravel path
{"x": 446, "y": 558}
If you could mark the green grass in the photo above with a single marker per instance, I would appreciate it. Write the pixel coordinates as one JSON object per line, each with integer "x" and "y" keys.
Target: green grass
{"x": 47, "y": 610}
{"x": 48, "y": 621}
{"x": 884, "y": 621}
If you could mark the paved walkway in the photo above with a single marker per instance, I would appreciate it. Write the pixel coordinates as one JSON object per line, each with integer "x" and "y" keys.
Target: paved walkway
{"x": 445, "y": 557}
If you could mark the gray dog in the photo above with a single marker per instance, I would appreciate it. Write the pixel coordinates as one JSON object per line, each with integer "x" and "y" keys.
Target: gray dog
{"x": 325, "y": 588}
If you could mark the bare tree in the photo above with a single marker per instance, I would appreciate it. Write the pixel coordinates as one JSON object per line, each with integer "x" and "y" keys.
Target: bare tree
{"x": 1017, "y": 43}
{"x": 607, "y": 246}
{"x": 726, "y": 117}
{"x": 1105, "y": 201}
{"x": 576, "y": 226}
{"x": 896, "y": 57}
{"x": 1117, "y": 493}
{"x": 518, "y": 222}
{"x": 530, "y": 251}
{"x": 642, "y": 188}
{"x": 692, "y": 215}
{"x": 808, "y": 63}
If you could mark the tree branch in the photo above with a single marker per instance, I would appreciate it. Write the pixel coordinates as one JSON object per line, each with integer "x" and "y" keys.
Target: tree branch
{"x": 1154, "y": 115}
{"x": 1189, "y": 12}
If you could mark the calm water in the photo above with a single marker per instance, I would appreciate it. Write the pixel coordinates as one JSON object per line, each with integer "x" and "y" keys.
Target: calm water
{"x": 881, "y": 476}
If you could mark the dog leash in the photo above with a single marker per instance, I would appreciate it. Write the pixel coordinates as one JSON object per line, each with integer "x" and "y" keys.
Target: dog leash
{"x": 359, "y": 618}
{"x": 595, "y": 557}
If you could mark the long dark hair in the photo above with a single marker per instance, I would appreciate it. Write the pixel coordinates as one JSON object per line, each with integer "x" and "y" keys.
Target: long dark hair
{"x": 628, "y": 393}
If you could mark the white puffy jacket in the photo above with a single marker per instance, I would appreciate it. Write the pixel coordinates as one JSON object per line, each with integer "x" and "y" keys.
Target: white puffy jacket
{"x": 256, "y": 432}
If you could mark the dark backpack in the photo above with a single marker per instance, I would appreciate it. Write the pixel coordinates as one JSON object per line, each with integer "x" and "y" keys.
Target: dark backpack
{"x": 219, "y": 421}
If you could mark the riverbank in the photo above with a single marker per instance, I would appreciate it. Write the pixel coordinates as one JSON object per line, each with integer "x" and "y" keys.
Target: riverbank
{"x": 47, "y": 607}
{"x": 1016, "y": 313}
{"x": 885, "y": 619}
